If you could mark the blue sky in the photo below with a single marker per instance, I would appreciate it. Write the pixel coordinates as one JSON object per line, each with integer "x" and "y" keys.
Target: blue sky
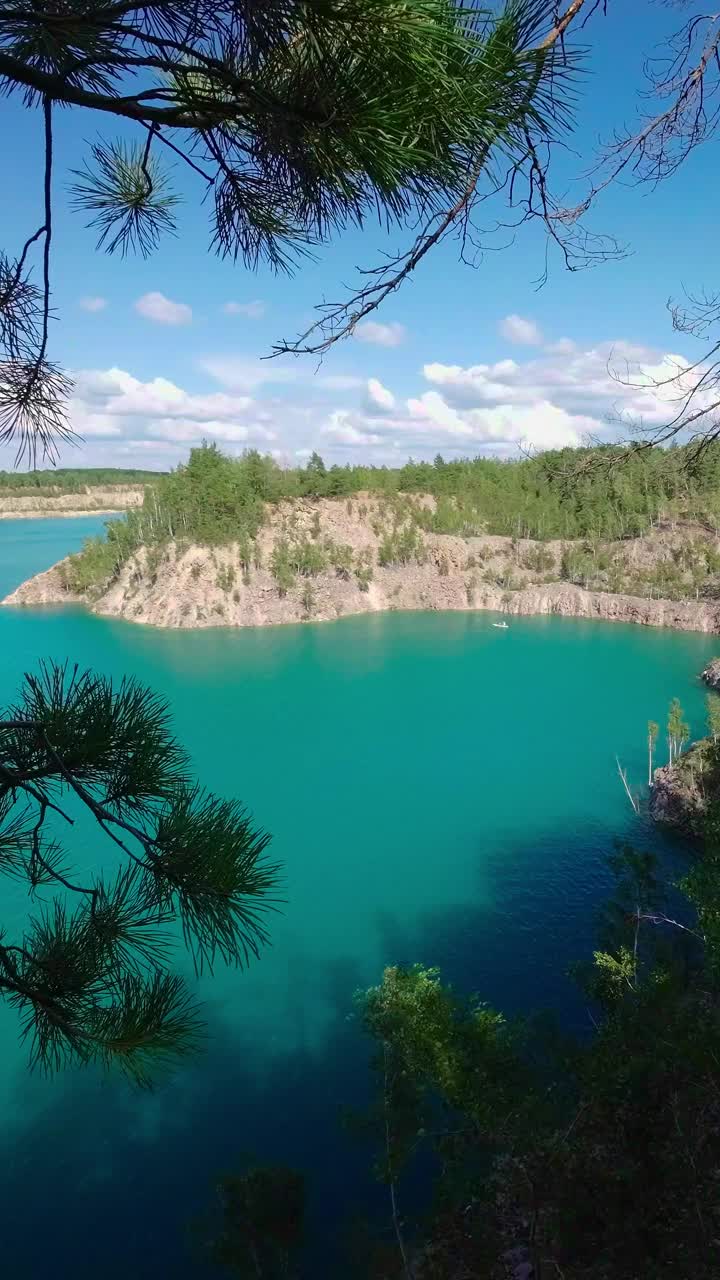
{"x": 461, "y": 360}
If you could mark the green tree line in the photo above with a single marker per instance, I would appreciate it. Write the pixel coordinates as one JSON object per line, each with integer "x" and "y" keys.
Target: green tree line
{"x": 73, "y": 479}
{"x": 575, "y": 494}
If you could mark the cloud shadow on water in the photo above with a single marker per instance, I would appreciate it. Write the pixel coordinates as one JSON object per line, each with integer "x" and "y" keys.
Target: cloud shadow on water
{"x": 104, "y": 1181}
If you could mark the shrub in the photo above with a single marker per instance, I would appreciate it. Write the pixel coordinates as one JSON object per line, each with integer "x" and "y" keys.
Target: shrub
{"x": 538, "y": 560}
{"x": 307, "y": 558}
{"x": 307, "y": 599}
{"x": 225, "y": 578}
{"x": 341, "y": 558}
{"x": 404, "y": 546}
{"x": 153, "y": 558}
{"x": 281, "y": 567}
{"x": 92, "y": 567}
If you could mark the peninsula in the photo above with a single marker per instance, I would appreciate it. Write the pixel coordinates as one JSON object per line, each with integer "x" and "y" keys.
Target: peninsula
{"x": 238, "y": 542}
{"x": 71, "y": 492}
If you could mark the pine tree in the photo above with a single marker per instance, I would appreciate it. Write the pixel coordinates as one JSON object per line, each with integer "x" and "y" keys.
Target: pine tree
{"x": 89, "y": 976}
{"x": 296, "y": 120}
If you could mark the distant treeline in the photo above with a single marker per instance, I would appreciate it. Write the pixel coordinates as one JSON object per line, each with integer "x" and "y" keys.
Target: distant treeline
{"x": 596, "y": 494}
{"x": 73, "y": 479}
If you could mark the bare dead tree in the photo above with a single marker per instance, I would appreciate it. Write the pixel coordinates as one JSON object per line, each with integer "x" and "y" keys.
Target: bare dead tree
{"x": 682, "y": 90}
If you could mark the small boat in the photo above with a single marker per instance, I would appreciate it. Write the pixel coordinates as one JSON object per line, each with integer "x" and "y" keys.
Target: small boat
{"x": 501, "y": 626}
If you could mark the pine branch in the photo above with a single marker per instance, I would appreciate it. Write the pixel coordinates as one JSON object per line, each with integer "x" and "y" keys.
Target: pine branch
{"x": 92, "y": 984}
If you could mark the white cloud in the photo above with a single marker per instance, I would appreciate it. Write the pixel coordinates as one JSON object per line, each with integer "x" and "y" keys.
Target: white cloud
{"x": 245, "y": 373}
{"x": 379, "y": 397}
{"x": 381, "y": 335}
{"x": 93, "y": 303}
{"x": 602, "y": 384}
{"x": 112, "y": 403}
{"x": 548, "y": 399}
{"x": 518, "y": 329}
{"x": 191, "y": 431}
{"x": 431, "y": 413}
{"x": 155, "y": 306}
{"x": 251, "y": 310}
{"x": 340, "y": 429}
{"x": 563, "y": 347}
{"x": 339, "y": 382}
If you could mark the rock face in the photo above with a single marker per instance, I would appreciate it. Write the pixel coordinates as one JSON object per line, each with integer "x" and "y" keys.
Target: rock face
{"x": 711, "y": 674}
{"x": 680, "y": 791}
{"x": 180, "y": 586}
{"x": 91, "y": 500}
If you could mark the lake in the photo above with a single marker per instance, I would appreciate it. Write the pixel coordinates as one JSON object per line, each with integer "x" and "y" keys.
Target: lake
{"x": 438, "y": 791}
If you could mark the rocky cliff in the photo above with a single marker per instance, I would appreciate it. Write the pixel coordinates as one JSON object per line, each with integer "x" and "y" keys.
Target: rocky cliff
{"x": 176, "y": 585}
{"x": 711, "y": 674}
{"x": 90, "y": 500}
{"x": 681, "y": 791}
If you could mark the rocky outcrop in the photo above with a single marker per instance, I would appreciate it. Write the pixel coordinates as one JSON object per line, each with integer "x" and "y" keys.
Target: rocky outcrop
{"x": 711, "y": 674}
{"x": 91, "y": 500}
{"x": 183, "y": 591}
{"x": 681, "y": 791}
{"x": 180, "y": 586}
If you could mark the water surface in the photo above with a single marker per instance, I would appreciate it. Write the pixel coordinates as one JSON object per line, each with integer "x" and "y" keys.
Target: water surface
{"x": 437, "y": 790}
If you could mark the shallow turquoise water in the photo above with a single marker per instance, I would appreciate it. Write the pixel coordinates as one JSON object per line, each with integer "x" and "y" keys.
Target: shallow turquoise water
{"x": 437, "y": 790}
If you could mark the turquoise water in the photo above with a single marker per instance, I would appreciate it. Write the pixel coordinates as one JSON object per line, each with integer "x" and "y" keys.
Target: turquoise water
{"x": 437, "y": 790}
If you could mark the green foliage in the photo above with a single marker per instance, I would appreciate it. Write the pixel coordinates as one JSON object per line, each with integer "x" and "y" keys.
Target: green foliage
{"x": 678, "y": 732}
{"x": 403, "y": 546}
{"x": 434, "y": 1047}
{"x": 595, "y": 1159}
{"x": 307, "y": 558}
{"x": 293, "y": 557}
{"x": 89, "y": 976}
{"x": 308, "y": 599}
{"x": 92, "y": 567}
{"x": 225, "y": 577}
{"x": 213, "y": 500}
{"x": 712, "y": 703}
{"x": 364, "y": 569}
{"x": 538, "y": 560}
{"x": 260, "y": 1228}
{"x": 73, "y": 479}
{"x": 341, "y": 559}
{"x": 281, "y": 567}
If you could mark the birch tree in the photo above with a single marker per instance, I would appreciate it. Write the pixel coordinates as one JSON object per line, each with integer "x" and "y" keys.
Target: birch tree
{"x": 653, "y": 730}
{"x": 678, "y": 732}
